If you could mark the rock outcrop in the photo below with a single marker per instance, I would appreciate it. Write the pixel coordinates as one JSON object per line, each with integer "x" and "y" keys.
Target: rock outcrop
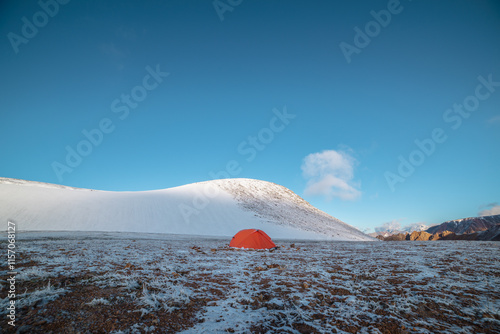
{"x": 419, "y": 236}
{"x": 395, "y": 237}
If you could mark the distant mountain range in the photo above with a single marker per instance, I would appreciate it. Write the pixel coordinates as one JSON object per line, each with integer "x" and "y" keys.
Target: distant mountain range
{"x": 485, "y": 228}
{"x": 407, "y": 229}
{"x": 212, "y": 208}
{"x": 466, "y": 225}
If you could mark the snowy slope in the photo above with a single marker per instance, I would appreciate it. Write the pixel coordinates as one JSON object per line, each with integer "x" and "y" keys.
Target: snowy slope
{"x": 220, "y": 207}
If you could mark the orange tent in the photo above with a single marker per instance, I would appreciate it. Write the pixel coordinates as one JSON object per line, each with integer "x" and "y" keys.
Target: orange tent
{"x": 252, "y": 238}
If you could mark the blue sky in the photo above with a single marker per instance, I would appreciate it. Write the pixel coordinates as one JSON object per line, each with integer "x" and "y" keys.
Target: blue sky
{"x": 175, "y": 92}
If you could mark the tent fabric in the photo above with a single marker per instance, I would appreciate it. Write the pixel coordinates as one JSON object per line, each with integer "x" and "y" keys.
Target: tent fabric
{"x": 252, "y": 238}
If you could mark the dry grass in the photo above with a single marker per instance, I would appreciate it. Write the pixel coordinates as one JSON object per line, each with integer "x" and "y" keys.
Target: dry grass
{"x": 123, "y": 285}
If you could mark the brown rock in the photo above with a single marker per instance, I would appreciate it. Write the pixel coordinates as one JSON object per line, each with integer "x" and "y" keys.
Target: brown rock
{"x": 396, "y": 237}
{"x": 445, "y": 235}
{"x": 419, "y": 236}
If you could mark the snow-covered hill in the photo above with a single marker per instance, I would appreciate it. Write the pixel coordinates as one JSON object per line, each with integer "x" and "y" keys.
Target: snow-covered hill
{"x": 217, "y": 208}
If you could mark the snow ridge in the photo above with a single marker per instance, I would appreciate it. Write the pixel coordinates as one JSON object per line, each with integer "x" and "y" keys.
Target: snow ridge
{"x": 282, "y": 206}
{"x": 6, "y": 180}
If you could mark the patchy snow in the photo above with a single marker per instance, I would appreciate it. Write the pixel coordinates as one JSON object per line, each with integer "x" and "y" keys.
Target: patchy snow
{"x": 307, "y": 286}
{"x": 97, "y": 301}
{"x": 212, "y": 208}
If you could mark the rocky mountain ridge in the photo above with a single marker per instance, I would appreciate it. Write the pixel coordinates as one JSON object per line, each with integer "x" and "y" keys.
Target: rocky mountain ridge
{"x": 485, "y": 228}
{"x": 466, "y": 225}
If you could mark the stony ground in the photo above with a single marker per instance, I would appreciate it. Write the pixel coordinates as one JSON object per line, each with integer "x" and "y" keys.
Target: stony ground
{"x": 126, "y": 283}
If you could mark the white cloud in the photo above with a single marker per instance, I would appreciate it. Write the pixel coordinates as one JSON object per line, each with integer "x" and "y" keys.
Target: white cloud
{"x": 330, "y": 174}
{"x": 394, "y": 226}
{"x": 490, "y": 209}
{"x": 421, "y": 226}
{"x": 391, "y": 226}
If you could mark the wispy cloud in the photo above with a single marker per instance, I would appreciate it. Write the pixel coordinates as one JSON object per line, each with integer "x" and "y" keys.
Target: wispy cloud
{"x": 118, "y": 49}
{"x": 489, "y": 209}
{"x": 330, "y": 173}
{"x": 115, "y": 54}
{"x": 126, "y": 33}
{"x": 420, "y": 226}
{"x": 494, "y": 120}
{"x": 112, "y": 51}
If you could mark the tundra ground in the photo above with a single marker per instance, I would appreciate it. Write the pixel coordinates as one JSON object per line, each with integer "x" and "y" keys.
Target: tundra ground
{"x": 146, "y": 283}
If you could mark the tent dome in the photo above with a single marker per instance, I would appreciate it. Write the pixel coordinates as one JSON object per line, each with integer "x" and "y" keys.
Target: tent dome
{"x": 252, "y": 238}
